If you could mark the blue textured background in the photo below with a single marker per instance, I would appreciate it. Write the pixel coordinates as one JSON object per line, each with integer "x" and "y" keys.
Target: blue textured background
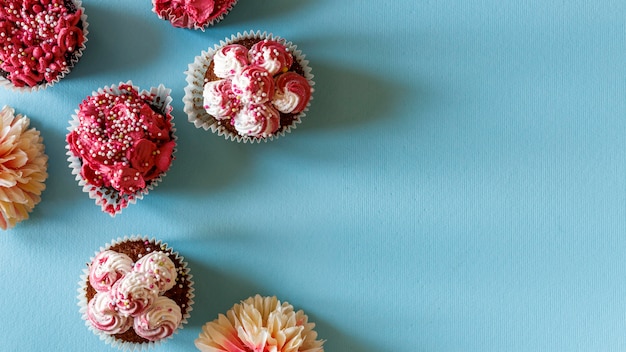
{"x": 457, "y": 185}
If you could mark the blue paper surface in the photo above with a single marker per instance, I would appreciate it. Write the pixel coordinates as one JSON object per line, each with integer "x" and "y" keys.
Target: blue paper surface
{"x": 458, "y": 183}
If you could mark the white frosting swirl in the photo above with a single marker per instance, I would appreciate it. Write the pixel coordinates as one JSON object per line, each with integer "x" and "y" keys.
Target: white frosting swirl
{"x": 292, "y": 93}
{"x": 103, "y": 316}
{"x": 159, "y": 266}
{"x": 134, "y": 293}
{"x": 159, "y": 321}
{"x": 286, "y": 102}
{"x": 108, "y": 267}
{"x": 271, "y": 55}
{"x": 230, "y": 60}
{"x": 253, "y": 85}
{"x": 219, "y": 100}
{"x": 257, "y": 120}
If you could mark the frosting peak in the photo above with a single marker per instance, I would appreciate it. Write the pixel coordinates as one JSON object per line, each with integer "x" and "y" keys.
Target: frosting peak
{"x": 108, "y": 267}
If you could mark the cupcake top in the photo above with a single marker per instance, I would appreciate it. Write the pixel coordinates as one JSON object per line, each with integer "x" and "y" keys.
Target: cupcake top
{"x": 39, "y": 40}
{"x": 255, "y": 87}
{"x": 194, "y": 14}
{"x": 124, "y": 142}
{"x": 136, "y": 291}
{"x": 23, "y": 168}
{"x": 260, "y": 324}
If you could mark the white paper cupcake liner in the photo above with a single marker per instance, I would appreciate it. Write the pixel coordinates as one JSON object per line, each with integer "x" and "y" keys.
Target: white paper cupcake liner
{"x": 171, "y": 17}
{"x": 107, "y": 197}
{"x": 193, "y": 98}
{"x": 110, "y": 339}
{"x": 75, "y": 58}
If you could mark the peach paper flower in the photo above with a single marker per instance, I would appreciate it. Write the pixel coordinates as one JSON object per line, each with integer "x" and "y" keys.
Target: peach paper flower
{"x": 23, "y": 168}
{"x": 260, "y": 324}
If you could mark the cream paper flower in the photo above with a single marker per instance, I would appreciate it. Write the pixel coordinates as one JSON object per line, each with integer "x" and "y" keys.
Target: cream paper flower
{"x": 260, "y": 324}
{"x": 23, "y": 168}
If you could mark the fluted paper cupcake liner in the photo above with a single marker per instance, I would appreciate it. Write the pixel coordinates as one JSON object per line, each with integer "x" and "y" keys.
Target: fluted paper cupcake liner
{"x": 75, "y": 57}
{"x": 110, "y": 339}
{"x": 193, "y": 98}
{"x": 109, "y": 199}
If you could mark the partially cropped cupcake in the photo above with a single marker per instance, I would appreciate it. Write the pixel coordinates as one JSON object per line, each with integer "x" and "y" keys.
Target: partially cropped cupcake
{"x": 40, "y": 41}
{"x": 252, "y": 87}
{"x": 260, "y": 324}
{"x": 23, "y": 168}
{"x": 193, "y": 14}
{"x": 135, "y": 292}
{"x": 121, "y": 143}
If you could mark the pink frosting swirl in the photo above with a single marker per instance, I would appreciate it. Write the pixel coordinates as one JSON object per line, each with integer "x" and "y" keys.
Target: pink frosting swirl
{"x": 134, "y": 293}
{"x": 159, "y": 321}
{"x": 293, "y": 93}
{"x": 230, "y": 60}
{"x": 257, "y": 120}
{"x": 271, "y": 55}
{"x": 102, "y": 315}
{"x": 219, "y": 99}
{"x": 36, "y": 41}
{"x": 253, "y": 84}
{"x": 108, "y": 267}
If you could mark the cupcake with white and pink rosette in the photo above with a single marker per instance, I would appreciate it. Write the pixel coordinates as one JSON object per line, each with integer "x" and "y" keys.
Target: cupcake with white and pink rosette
{"x": 135, "y": 293}
{"x": 121, "y": 144}
{"x": 251, "y": 87}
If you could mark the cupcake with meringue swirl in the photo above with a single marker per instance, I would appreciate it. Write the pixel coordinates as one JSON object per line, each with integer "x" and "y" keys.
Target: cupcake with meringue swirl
{"x": 251, "y": 87}
{"x": 136, "y": 292}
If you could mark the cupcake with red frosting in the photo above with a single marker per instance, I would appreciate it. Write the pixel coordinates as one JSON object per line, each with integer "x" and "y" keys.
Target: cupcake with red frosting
{"x": 135, "y": 292}
{"x": 193, "y": 14}
{"x": 40, "y": 41}
{"x": 252, "y": 87}
{"x": 121, "y": 143}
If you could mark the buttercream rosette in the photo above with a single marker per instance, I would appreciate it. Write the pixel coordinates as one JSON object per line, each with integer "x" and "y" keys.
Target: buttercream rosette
{"x": 260, "y": 324}
{"x": 23, "y": 168}
{"x": 135, "y": 293}
{"x": 192, "y": 14}
{"x": 40, "y": 42}
{"x": 121, "y": 143}
{"x": 251, "y": 87}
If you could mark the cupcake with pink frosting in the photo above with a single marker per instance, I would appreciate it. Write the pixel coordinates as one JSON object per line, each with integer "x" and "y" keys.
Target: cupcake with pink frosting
{"x": 40, "y": 41}
{"x": 193, "y": 14}
{"x": 121, "y": 143}
{"x": 135, "y": 292}
{"x": 251, "y": 87}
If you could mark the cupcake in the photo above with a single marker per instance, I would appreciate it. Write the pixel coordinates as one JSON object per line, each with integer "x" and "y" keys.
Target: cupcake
{"x": 121, "y": 143}
{"x": 135, "y": 292}
{"x": 40, "y": 41}
{"x": 194, "y": 14}
{"x": 260, "y": 324}
{"x": 23, "y": 168}
{"x": 252, "y": 87}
